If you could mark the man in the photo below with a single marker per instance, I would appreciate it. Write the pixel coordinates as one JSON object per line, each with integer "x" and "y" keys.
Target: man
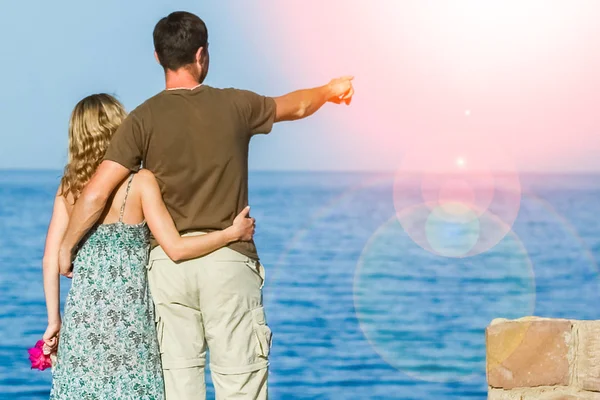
{"x": 195, "y": 139}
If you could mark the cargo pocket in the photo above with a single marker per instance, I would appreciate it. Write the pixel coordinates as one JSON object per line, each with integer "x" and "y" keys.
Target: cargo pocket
{"x": 258, "y": 269}
{"x": 262, "y": 332}
{"x": 160, "y": 329}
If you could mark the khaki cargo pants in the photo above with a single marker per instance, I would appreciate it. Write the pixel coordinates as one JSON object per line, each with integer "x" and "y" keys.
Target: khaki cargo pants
{"x": 212, "y": 302}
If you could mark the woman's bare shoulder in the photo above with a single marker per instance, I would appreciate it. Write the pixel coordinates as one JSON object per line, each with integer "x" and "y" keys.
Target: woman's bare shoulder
{"x": 145, "y": 184}
{"x": 145, "y": 178}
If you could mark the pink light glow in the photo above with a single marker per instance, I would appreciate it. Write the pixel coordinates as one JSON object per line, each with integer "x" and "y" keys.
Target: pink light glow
{"x": 525, "y": 73}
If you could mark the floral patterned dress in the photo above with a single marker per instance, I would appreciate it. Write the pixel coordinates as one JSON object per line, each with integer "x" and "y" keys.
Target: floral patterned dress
{"x": 108, "y": 347}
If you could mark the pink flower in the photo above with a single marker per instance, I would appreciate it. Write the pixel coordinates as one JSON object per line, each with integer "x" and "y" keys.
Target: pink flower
{"x": 38, "y": 359}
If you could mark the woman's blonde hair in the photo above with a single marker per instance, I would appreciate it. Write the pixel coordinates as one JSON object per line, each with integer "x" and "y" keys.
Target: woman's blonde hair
{"x": 93, "y": 123}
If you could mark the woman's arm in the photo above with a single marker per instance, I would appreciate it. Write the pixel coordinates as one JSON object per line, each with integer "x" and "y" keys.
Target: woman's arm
{"x": 56, "y": 230}
{"x": 184, "y": 248}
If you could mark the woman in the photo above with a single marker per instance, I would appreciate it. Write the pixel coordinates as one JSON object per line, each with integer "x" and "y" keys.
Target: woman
{"x": 108, "y": 347}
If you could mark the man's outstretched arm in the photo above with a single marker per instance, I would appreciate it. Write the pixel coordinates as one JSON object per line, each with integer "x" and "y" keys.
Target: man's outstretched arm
{"x": 303, "y": 103}
{"x": 89, "y": 207}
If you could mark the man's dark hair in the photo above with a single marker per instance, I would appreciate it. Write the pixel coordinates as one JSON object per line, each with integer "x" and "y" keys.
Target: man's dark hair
{"x": 177, "y": 38}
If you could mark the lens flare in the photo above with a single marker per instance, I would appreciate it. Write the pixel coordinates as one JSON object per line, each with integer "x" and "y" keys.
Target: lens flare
{"x": 426, "y": 315}
{"x": 450, "y": 237}
{"x": 464, "y": 181}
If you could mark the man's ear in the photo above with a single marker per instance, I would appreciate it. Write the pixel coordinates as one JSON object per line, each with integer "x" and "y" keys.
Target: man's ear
{"x": 156, "y": 57}
{"x": 199, "y": 55}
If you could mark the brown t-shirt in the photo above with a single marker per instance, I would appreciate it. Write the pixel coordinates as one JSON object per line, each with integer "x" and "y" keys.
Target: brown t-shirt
{"x": 196, "y": 144}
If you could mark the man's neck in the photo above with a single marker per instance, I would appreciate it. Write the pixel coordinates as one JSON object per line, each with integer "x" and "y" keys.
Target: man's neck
{"x": 181, "y": 79}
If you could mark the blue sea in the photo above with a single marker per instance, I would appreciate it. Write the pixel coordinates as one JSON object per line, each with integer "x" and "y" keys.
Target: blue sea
{"x": 358, "y": 308}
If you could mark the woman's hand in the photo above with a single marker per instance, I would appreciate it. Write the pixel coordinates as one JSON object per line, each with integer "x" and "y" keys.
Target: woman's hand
{"x": 51, "y": 338}
{"x": 243, "y": 226}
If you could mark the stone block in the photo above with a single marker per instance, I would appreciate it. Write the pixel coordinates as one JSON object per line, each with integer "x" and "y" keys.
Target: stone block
{"x": 545, "y": 393}
{"x": 587, "y": 364}
{"x": 529, "y": 353}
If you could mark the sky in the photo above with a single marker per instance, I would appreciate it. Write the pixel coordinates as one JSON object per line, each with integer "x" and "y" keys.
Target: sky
{"x": 512, "y": 80}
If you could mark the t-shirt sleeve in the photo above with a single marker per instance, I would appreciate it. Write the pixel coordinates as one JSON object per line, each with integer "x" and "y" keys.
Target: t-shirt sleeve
{"x": 127, "y": 144}
{"x": 259, "y": 112}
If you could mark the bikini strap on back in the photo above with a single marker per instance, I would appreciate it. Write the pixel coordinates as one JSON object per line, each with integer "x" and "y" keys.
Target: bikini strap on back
{"x": 125, "y": 199}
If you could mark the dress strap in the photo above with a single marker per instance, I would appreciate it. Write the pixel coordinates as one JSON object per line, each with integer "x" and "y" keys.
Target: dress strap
{"x": 125, "y": 199}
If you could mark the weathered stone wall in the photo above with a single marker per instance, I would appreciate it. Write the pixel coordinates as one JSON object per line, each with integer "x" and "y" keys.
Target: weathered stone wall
{"x": 539, "y": 358}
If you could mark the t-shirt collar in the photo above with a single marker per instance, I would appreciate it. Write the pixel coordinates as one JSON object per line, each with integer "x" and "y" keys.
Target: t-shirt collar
{"x": 184, "y": 88}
